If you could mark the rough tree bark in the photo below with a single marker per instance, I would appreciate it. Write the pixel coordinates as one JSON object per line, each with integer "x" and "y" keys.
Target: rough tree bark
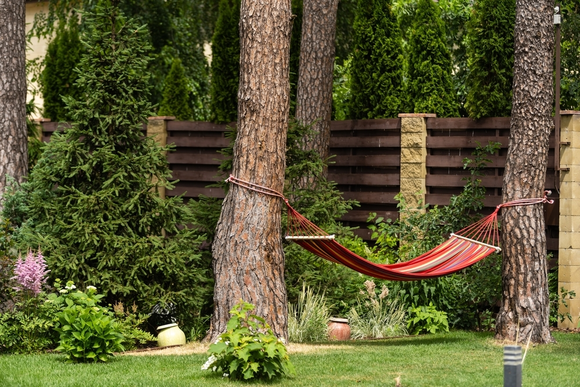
{"x": 13, "y": 135}
{"x": 248, "y": 259}
{"x": 314, "y": 95}
{"x": 524, "y": 312}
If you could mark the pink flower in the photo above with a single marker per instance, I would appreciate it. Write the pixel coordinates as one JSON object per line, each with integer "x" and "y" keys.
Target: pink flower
{"x": 31, "y": 273}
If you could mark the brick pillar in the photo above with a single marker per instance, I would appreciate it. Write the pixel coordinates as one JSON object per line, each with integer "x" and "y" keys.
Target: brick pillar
{"x": 413, "y": 157}
{"x": 157, "y": 128}
{"x": 569, "y": 241}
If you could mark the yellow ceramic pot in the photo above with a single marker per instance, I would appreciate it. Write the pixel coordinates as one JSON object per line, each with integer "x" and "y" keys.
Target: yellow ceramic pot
{"x": 170, "y": 334}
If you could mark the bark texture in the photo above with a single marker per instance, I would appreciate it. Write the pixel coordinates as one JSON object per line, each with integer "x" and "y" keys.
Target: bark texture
{"x": 248, "y": 259}
{"x": 13, "y": 135}
{"x": 525, "y": 310}
{"x": 314, "y": 95}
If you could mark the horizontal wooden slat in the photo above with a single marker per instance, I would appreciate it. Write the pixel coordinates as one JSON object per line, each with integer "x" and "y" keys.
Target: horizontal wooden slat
{"x": 363, "y": 216}
{"x": 367, "y": 161}
{"x": 204, "y": 159}
{"x": 196, "y": 126}
{"x": 443, "y": 200}
{"x": 450, "y": 142}
{"x": 209, "y": 176}
{"x": 457, "y": 161}
{"x": 51, "y": 127}
{"x": 193, "y": 192}
{"x": 364, "y": 233}
{"x": 371, "y": 197}
{"x": 384, "y": 124}
{"x": 468, "y": 123}
{"x": 486, "y": 181}
{"x": 199, "y": 142}
{"x": 364, "y": 179}
{"x": 365, "y": 142}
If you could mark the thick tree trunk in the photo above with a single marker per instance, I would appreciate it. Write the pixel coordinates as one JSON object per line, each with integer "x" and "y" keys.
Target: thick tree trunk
{"x": 525, "y": 310}
{"x": 314, "y": 95}
{"x": 13, "y": 136}
{"x": 248, "y": 259}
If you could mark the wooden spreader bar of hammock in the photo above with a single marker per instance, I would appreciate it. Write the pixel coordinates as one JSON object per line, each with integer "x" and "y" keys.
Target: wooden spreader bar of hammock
{"x": 462, "y": 249}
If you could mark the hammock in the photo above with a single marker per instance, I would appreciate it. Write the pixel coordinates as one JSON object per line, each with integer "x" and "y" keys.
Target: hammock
{"x": 462, "y": 249}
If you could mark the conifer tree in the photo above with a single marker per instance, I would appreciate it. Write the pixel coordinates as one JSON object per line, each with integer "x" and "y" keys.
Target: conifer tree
{"x": 176, "y": 94}
{"x": 58, "y": 77}
{"x": 430, "y": 87}
{"x": 490, "y": 58}
{"x": 377, "y": 63}
{"x": 225, "y": 63}
{"x": 91, "y": 201}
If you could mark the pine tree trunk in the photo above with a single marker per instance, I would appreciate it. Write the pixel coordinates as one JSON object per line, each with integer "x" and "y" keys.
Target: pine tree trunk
{"x": 314, "y": 95}
{"x": 525, "y": 309}
{"x": 13, "y": 134}
{"x": 248, "y": 259}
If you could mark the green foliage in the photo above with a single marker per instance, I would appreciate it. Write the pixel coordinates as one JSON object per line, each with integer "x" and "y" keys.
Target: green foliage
{"x": 58, "y": 78}
{"x": 377, "y": 62}
{"x": 248, "y": 349}
{"x": 176, "y": 94}
{"x": 427, "y": 319}
{"x": 430, "y": 87}
{"x": 490, "y": 58}
{"x": 295, "y": 40}
{"x": 128, "y": 323}
{"x": 341, "y": 87}
{"x": 308, "y": 318}
{"x": 570, "y": 50}
{"x": 377, "y": 316}
{"x": 91, "y": 202}
{"x": 345, "y": 16}
{"x": 88, "y": 331}
{"x": 558, "y": 299}
{"x": 225, "y": 63}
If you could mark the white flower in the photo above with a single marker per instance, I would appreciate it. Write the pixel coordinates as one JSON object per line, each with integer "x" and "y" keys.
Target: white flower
{"x": 226, "y": 375}
{"x": 227, "y": 343}
{"x": 91, "y": 287}
{"x": 70, "y": 287}
{"x": 63, "y": 291}
{"x": 214, "y": 369}
{"x": 209, "y": 363}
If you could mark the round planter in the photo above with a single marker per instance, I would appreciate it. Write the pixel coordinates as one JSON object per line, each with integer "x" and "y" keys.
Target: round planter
{"x": 170, "y": 334}
{"x": 338, "y": 329}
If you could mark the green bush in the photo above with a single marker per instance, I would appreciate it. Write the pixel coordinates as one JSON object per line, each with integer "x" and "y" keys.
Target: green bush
{"x": 427, "y": 319}
{"x": 377, "y": 62}
{"x": 248, "y": 349}
{"x": 176, "y": 94}
{"x": 308, "y": 318}
{"x": 225, "y": 63}
{"x": 490, "y": 53}
{"x": 91, "y": 202}
{"x": 430, "y": 87}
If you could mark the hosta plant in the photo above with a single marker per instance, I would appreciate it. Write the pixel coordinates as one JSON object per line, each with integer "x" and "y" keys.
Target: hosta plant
{"x": 248, "y": 349}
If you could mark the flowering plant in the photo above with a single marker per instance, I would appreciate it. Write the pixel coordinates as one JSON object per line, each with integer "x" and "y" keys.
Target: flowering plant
{"x": 248, "y": 349}
{"x": 30, "y": 273}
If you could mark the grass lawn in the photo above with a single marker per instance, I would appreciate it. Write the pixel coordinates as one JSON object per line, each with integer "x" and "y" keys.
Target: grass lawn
{"x": 453, "y": 359}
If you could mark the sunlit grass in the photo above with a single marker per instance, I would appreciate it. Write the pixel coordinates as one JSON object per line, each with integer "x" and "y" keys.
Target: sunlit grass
{"x": 454, "y": 359}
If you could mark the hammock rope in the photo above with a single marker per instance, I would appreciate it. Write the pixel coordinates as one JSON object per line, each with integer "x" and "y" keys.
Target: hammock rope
{"x": 463, "y": 248}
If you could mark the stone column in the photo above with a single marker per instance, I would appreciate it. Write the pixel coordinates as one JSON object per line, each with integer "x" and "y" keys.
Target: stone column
{"x": 569, "y": 241}
{"x": 413, "y": 157}
{"x": 157, "y": 128}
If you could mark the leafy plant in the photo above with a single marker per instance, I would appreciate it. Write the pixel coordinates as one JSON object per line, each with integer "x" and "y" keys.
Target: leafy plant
{"x": 128, "y": 324}
{"x": 248, "y": 349}
{"x": 308, "y": 318}
{"x": 558, "y": 299}
{"x": 377, "y": 316}
{"x": 341, "y": 90}
{"x": 176, "y": 94}
{"x": 427, "y": 319}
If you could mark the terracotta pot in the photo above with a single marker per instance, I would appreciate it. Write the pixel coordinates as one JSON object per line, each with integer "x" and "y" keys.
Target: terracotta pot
{"x": 338, "y": 329}
{"x": 170, "y": 334}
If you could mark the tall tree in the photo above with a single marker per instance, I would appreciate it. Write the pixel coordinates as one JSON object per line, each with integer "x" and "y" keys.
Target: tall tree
{"x": 13, "y": 132}
{"x": 490, "y": 55}
{"x": 525, "y": 309}
{"x": 248, "y": 259}
{"x": 430, "y": 87}
{"x": 314, "y": 95}
{"x": 377, "y": 63}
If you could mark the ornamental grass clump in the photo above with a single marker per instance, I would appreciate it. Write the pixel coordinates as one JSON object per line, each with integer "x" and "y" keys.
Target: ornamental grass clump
{"x": 308, "y": 318}
{"x": 377, "y": 316}
{"x": 248, "y": 349}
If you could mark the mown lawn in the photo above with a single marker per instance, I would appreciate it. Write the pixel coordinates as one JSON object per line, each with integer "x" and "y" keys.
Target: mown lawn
{"x": 454, "y": 359}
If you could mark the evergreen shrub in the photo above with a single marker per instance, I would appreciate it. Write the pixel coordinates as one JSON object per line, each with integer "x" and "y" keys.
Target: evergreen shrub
{"x": 377, "y": 62}
{"x": 490, "y": 53}
{"x": 91, "y": 202}
{"x": 176, "y": 94}
{"x": 430, "y": 86}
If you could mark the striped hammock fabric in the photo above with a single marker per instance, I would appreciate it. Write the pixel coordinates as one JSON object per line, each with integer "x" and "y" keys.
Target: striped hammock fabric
{"x": 461, "y": 250}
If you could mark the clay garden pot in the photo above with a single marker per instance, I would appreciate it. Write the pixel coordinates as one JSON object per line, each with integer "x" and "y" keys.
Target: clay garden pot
{"x": 170, "y": 334}
{"x": 338, "y": 329}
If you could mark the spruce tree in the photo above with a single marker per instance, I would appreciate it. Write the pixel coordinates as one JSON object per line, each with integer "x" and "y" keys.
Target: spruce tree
{"x": 91, "y": 202}
{"x": 490, "y": 58}
{"x": 430, "y": 87}
{"x": 176, "y": 94}
{"x": 58, "y": 77}
{"x": 377, "y": 63}
{"x": 225, "y": 63}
